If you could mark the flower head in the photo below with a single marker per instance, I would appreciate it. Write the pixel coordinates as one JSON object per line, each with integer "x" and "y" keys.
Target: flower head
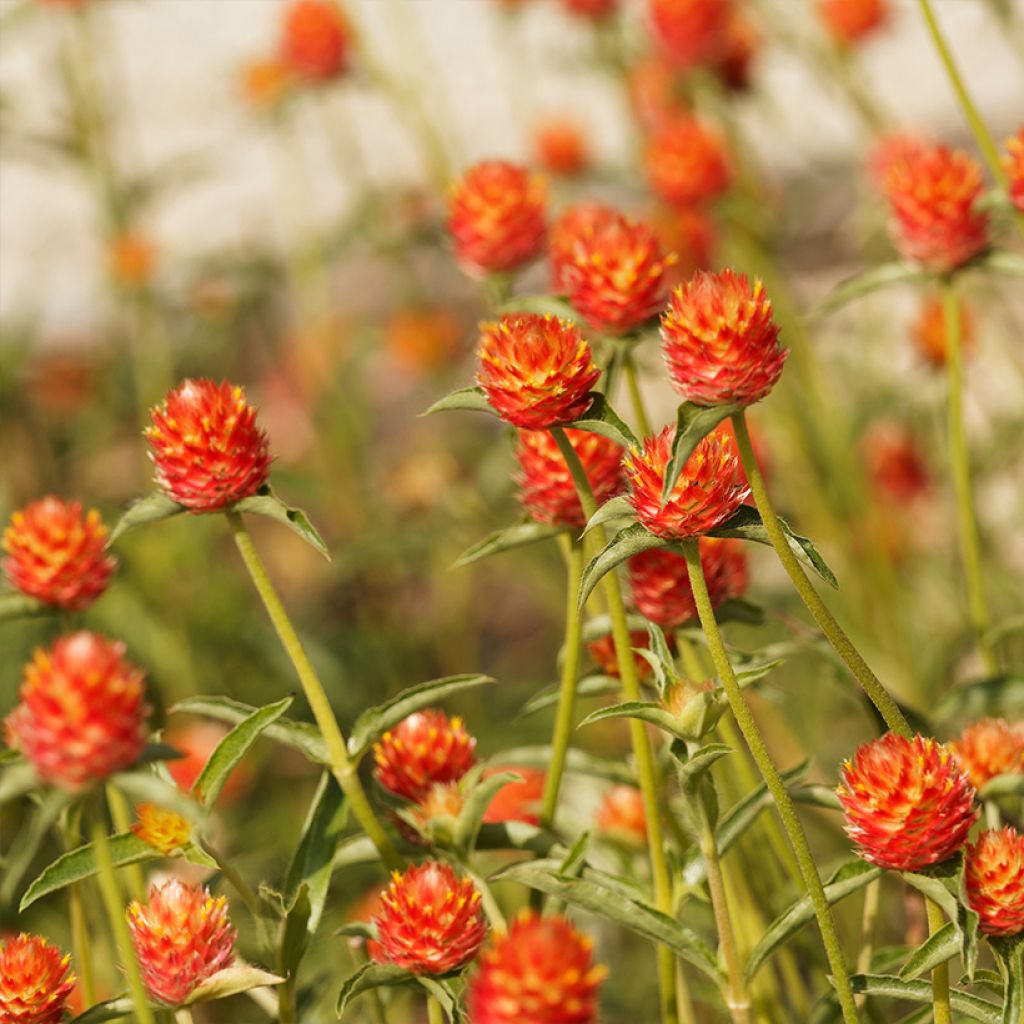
{"x": 561, "y": 147}
{"x": 516, "y": 801}
{"x": 890, "y": 149}
{"x": 265, "y": 82}
{"x": 895, "y": 462}
{"x": 929, "y": 331}
{"x": 182, "y": 936}
{"x": 989, "y": 748}
{"x": 433, "y": 817}
{"x": 621, "y": 816}
{"x": 651, "y": 82}
{"x": 1013, "y": 164}
{"x": 606, "y": 657}
{"x": 206, "y": 446}
{"x": 316, "y": 41}
{"x": 690, "y": 32}
{"x": 740, "y": 47}
{"x": 994, "y": 879}
{"x": 540, "y": 972}
{"x": 686, "y": 162}
{"x": 57, "y": 554}
{"x": 908, "y": 802}
{"x": 719, "y": 341}
{"x": 423, "y": 338}
{"x": 850, "y": 21}
{"x": 164, "y": 830}
{"x": 82, "y": 714}
{"x": 696, "y": 707}
{"x": 576, "y": 222}
{"x": 35, "y": 981}
{"x": 537, "y": 371}
{"x": 132, "y": 258}
{"x": 430, "y": 920}
{"x": 423, "y": 749}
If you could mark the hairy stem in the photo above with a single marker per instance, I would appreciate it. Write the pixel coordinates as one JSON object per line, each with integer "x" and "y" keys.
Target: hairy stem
{"x": 940, "y": 975}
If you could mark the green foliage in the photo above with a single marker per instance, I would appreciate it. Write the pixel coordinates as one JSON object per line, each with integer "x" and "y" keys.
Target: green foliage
{"x": 266, "y": 503}
{"x": 693, "y": 424}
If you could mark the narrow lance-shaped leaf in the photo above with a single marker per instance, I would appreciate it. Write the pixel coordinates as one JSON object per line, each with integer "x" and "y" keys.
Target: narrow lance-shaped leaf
{"x": 26, "y": 843}
{"x": 370, "y": 976}
{"x": 472, "y": 399}
{"x": 239, "y": 977}
{"x": 295, "y": 932}
{"x": 872, "y": 280}
{"x": 475, "y": 807}
{"x": 645, "y": 711}
{"x": 613, "y": 510}
{"x": 939, "y": 947}
{"x": 602, "y": 419}
{"x": 21, "y": 606}
{"x": 151, "y": 509}
{"x": 112, "y": 1009}
{"x": 940, "y": 883}
{"x": 691, "y": 767}
{"x": 517, "y": 536}
{"x": 626, "y": 543}
{"x": 693, "y": 424}
{"x": 1009, "y": 954}
{"x": 967, "y": 1006}
{"x": 266, "y": 503}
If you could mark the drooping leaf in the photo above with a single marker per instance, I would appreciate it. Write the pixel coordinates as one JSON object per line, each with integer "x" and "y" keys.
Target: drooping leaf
{"x": 615, "y": 510}
{"x": 646, "y": 711}
{"x": 18, "y": 779}
{"x": 153, "y": 752}
{"x": 516, "y": 536}
{"x": 626, "y": 543}
{"x": 518, "y": 835}
{"x": 354, "y": 850}
{"x": 817, "y": 796}
{"x": 151, "y": 509}
{"x": 970, "y": 1007}
{"x": 472, "y": 399}
{"x": 693, "y": 424}
{"x": 112, "y": 1009}
{"x": 370, "y": 976}
{"x": 266, "y": 503}
{"x": 26, "y": 843}
{"x": 442, "y": 990}
{"x": 475, "y": 807}
{"x": 602, "y": 419}
{"x": 1009, "y": 954}
{"x": 869, "y": 281}
{"x": 691, "y": 767}
{"x": 239, "y": 977}
{"x": 940, "y": 883}
{"x": 295, "y": 933}
{"x": 588, "y": 686}
{"x": 939, "y": 947}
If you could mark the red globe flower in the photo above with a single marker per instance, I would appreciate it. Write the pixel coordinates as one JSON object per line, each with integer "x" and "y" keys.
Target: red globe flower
{"x": 895, "y": 462}
{"x": 516, "y": 801}
{"x": 430, "y": 920}
{"x": 690, "y": 32}
{"x": 206, "y": 447}
{"x": 537, "y": 371}
{"x": 35, "y": 981}
{"x": 561, "y": 147}
{"x": 653, "y": 94}
{"x": 497, "y": 218}
{"x": 908, "y": 802}
{"x": 929, "y": 331}
{"x": 316, "y": 40}
{"x": 577, "y": 221}
{"x": 605, "y": 656}
{"x": 58, "y": 555}
{"x": 162, "y": 829}
{"x": 540, "y": 972}
{"x": 424, "y": 338}
{"x": 849, "y": 21}
{"x": 889, "y": 150}
{"x": 1013, "y": 164}
{"x": 709, "y": 489}
{"x": 989, "y": 748}
{"x": 423, "y": 749}
{"x": 686, "y": 162}
{"x": 82, "y": 714}
{"x": 265, "y": 82}
{"x": 592, "y": 9}
{"x": 621, "y": 816}
{"x": 994, "y": 878}
{"x": 720, "y": 343}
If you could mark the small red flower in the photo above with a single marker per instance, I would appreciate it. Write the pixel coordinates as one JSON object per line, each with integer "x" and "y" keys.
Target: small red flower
{"x": 516, "y": 801}
{"x": 424, "y": 338}
{"x": 537, "y": 371}
{"x": 691, "y": 32}
{"x": 889, "y": 150}
{"x": 994, "y": 877}
{"x": 430, "y": 920}
{"x": 423, "y": 749}
{"x": 686, "y": 162}
{"x": 653, "y": 93}
{"x": 720, "y": 343}
{"x": 929, "y": 331}
{"x": 197, "y": 740}
{"x": 132, "y": 259}
{"x": 849, "y": 21}
{"x": 576, "y": 222}
{"x": 621, "y": 816}
{"x": 58, "y": 555}
{"x": 206, "y": 447}
{"x": 497, "y": 218}
{"x": 546, "y": 489}
{"x": 989, "y": 748}
{"x": 82, "y": 714}
{"x": 607, "y": 660}
{"x": 182, "y": 937}
{"x": 709, "y": 489}
{"x": 1013, "y": 163}
{"x": 265, "y": 82}
{"x": 561, "y": 148}
{"x": 35, "y": 981}
{"x": 592, "y": 9}
{"x": 540, "y": 972}
{"x": 316, "y": 40}
{"x": 908, "y": 802}
{"x": 895, "y": 463}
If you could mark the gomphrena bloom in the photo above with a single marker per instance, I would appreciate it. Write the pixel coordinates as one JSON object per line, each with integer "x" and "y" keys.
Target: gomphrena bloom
{"x": 932, "y": 193}
{"x": 653, "y": 95}
{"x": 162, "y": 829}
{"x": 560, "y": 147}
{"x": 889, "y": 149}
{"x": 132, "y": 260}
{"x": 908, "y": 803}
{"x": 519, "y": 800}
{"x": 621, "y": 816}
{"x": 82, "y": 714}
{"x": 994, "y": 879}
{"x": 546, "y": 489}
{"x": 928, "y": 331}
{"x": 433, "y": 817}
{"x": 850, "y": 21}
{"x": 719, "y": 341}
{"x": 606, "y": 658}
{"x": 497, "y": 217}
{"x": 423, "y": 338}
{"x": 541, "y": 972}
{"x": 430, "y": 920}
{"x": 35, "y": 981}
{"x": 686, "y": 162}
{"x": 537, "y": 371}
{"x": 567, "y": 230}
{"x": 690, "y": 32}
{"x": 316, "y": 40}
{"x": 265, "y": 82}
{"x": 895, "y": 462}
{"x": 661, "y": 584}
{"x": 182, "y": 936}
{"x": 57, "y": 553}
{"x": 709, "y": 489}
{"x": 206, "y": 446}
{"x": 423, "y": 749}
{"x": 1013, "y": 164}
{"x": 989, "y": 748}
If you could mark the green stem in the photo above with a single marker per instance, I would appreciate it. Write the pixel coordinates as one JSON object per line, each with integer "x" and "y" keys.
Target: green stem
{"x": 639, "y": 411}
{"x": 341, "y": 765}
{"x": 121, "y": 816}
{"x": 842, "y": 644}
{"x": 435, "y": 1015}
{"x": 183, "y": 1016}
{"x": 867, "y": 930}
{"x": 287, "y": 1012}
{"x": 79, "y": 928}
{"x": 773, "y": 780}
{"x": 940, "y": 975}
{"x": 970, "y": 548}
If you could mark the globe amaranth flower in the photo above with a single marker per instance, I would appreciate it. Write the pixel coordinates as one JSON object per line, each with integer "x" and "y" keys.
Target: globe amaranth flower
{"x": 651, "y": 82}
{"x": 57, "y": 554}
{"x": 561, "y": 147}
{"x": 621, "y": 816}
{"x": 162, "y": 829}
{"x": 82, "y": 714}
{"x": 850, "y": 21}
{"x": 928, "y": 331}
{"x": 537, "y": 371}
{"x": 606, "y": 657}
{"x": 316, "y": 40}
{"x": 686, "y": 162}
{"x": 989, "y": 748}
{"x": 35, "y": 981}
{"x": 541, "y": 971}
{"x": 895, "y": 463}
{"x": 265, "y": 82}
{"x": 908, "y": 803}
{"x": 709, "y": 489}
{"x": 567, "y": 230}
{"x": 182, "y": 937}
{"x": 424, "y": 748}
{"x": 690, "y": 33}
{"x": 546, "y": 488}
{"x": 497, "y": 217}
{"x": 994, "y": 880}
{"x": 206, "y": 447}
{"x": 423, "y": 338}
{"x": 719, "y": 340}
{"x": 517, "y": 800}
{"x": 1013, "y": 164}
{"x": 132, "y": 260}
{"x": 430, "y": 920}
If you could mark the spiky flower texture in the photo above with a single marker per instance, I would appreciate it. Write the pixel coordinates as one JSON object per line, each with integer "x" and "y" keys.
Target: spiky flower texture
{"x": 686, "y": 162}
{"x": 422, "y": 749}
{"x": 989, "y": 748}
{"x": 35, "y": 981}
{"x": 164, "y": 830}
{"x": 994, "y": 879}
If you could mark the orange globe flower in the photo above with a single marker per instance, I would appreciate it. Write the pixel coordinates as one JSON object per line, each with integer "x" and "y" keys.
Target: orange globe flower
{"x": 132, "y": 259}
{"x": 653, "y": 94}
{"x": 35, "y": 981}
{"x": 423, "y": 749}
{"x": 994, "y": 879}
{"x": 889, "y": 150}
{"x": 497, "y": 218}
{"x": 537, "y": 371}
{"x": 686, "y": 162}
{"x": 567, "y": 231}
{"x": 516, "y": 801}
{"x": 989, "y": 748}
{"x": 1013, "y": 164}
{"x": 430, "y": 920}
{"x": 182, "y": 937}
{"x": 424, "y": 338}
{"x": 850, "y": 21}
{"x": 605, "y": 657}
{"x": 56, "y": 554}
{"x": 206, "y": 447}
{"x": 560, "y": 147}
{"x": 908, "y": 802}
{"x": 709, "y": 489}
{"x": 621, "y": 816}
{"x": 719, "y": 341}
{"x": 690, "y": 32}
{"x": 164, "y": 830}
{"x": 929, "y": 331}
{"x": 592, "y": 9}
{"x": 316, "y": 40}
{"x": 265, "y": 82}
{"x": 82, "y": 714}
{"x": 895, "y": 463}
{"x": 540, "y": 972}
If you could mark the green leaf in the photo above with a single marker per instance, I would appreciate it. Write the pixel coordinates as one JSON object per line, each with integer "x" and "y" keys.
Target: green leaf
{"x": 738, "y": 609}
{"x": 940, "y": 883}
{"x": 970, "y": 1007}
{"x": 375, "y": 721}
{"x": 151, "y": 509}
{"x": 613, "y": 510}
{"x": 26, "y": 843}
{"x": 939, "y": 947}
{"x": 18, "y": 779}
{"x": 997, "y": 696}
{"x": 441, "y": 989}
{"x": 690, "y": 767}
{"x": 472, "y": 399}
{"x": 588, "y": 686}
{"x": 646, "y": 711}
{"x": 20, "y": 606}
{"x": 266, "y": 503}
{"x": 868, "y": 281}
{"x": 626, "y": 543}
{"x": 239, "y": 977}
{"x": 475, "y": 807}
{"x": 370, "y": 976}
{"x": 518, "y": 835}
{"x": 153, "y": 752}
{"x": 817, "y": 796}
{"x": 574, "y": 861}
{"x": 1010, "y": 784}
{"x": 149, "y": 788}
{"x": 112, "y": 1009}
{"x": 295, "y": 933}
{"x": 1000, "y": 261}
{"x": 1009, "y": 954}
{"x": 693, "y": 424}
{"x": 602, "y": 419}
{"x": 225, "y": 757}
{"x": 577, "y": 762}
{"x": 744, "y": 812}
{"x": 516, "y": 536}
{"x": 354, "y": 850}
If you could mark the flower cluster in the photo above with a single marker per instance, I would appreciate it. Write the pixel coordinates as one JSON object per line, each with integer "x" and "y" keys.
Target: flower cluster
{"x": 421, "y": 750}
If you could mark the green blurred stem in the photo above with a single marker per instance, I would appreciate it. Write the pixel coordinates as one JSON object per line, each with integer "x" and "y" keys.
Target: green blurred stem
{"x": 341, "y": 766}
{"x": 573, "y": 551}
{"x": 435, "y": 1015}
{"x": 646, "y": 772}
{"x": 79, "y": 928}
{"x": 642, "y": 420}
{"x": 773, "y": 780}
{"x": 967, "y": 523}
{"x": 867, "y": 930}
{"x": 940, "y": 975}
{"x": 121, "y": 816}
{"x": 842, "y": 644}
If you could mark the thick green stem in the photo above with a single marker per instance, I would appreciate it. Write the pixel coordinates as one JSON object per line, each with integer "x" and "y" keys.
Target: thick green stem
{"x": 639, "y": 411}
{"x": 435, "y": 1015}
{"x": 842, "y": 644}
{"x": 79, "y": 927}
{"x": 287, "y": 1012}
{"x": 867, "y": 930}
{"x": 773, "y": 780}
{"x": 967, "y": 524}
{"x": 341, "y": 765}
{"x": 940, "y": 975}
{"x": 121, "y": 816}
